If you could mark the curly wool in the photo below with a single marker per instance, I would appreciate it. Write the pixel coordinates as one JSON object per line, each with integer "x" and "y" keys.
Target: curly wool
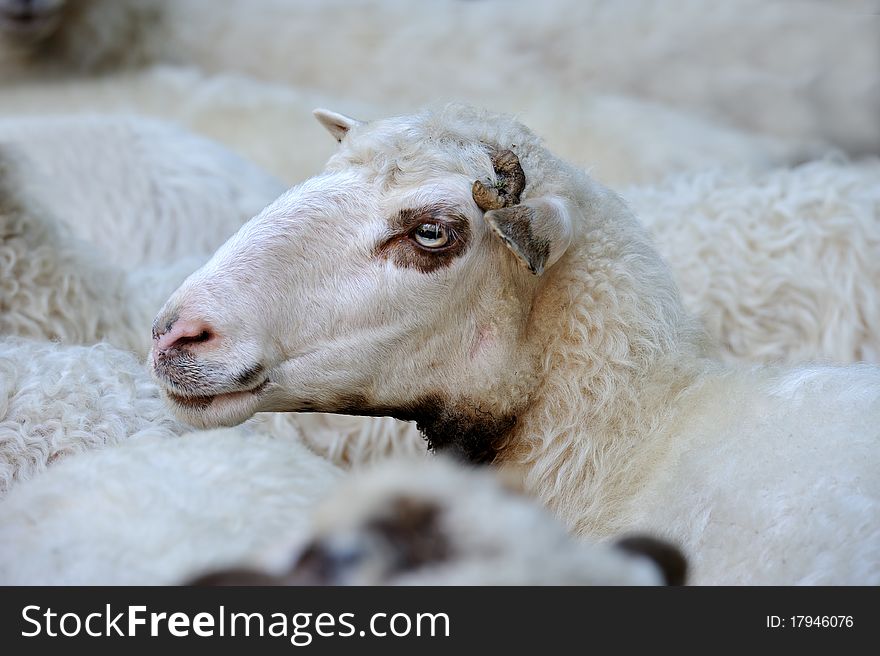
{"x": 780, "y": 267}
{"x": 55, "y": 286}
{"x": 58, "y": 400}
{"x": 347, "y": 441}
{"x": 90, "y": 244}
{"x": 51, "y": 285}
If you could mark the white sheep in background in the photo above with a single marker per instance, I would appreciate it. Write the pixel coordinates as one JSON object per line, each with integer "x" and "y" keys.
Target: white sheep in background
{"x": 449, "y": 270}
{"x": 55, "y": 286}
{"x": 432, "y": 522}
{"x": 622, "y": 140}
{"x": 101, "y": 217}
{"x": 781, "y": 267}
{"x": 58, "y": 36}
{"x": 162, "y": 511}
{"x": 807, "y": 69}
{"x": 57, "y": 400}
{"x": 157, "y": 510}
{"x": 254, "y": 118}
{"x": 143, "y": 191}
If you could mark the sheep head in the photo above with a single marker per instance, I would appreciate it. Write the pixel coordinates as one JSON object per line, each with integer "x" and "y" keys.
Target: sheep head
{"x": 383, "y": 286}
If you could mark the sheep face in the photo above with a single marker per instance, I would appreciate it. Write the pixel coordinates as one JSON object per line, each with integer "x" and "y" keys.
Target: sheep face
{"x": 379, "y": 287}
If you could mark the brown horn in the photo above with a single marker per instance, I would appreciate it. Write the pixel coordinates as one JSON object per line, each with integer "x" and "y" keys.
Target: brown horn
{"x": 511, "y": 181}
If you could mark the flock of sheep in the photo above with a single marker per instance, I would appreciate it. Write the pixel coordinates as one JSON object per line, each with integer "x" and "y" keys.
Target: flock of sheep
{"x": 208, "y": 338}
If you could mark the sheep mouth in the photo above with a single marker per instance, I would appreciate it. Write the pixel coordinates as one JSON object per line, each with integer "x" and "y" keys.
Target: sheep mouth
{"x": 197, "y": 402}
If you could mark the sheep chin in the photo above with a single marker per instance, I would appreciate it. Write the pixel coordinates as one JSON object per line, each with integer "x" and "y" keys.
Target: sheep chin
{"x": 211, "y": 411}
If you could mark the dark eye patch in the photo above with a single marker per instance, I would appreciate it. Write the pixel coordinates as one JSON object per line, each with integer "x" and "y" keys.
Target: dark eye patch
{"x": 405, "y": 252}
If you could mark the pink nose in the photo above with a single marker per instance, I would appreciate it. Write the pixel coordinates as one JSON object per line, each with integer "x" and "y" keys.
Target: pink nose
{"x": 181, "y": 333}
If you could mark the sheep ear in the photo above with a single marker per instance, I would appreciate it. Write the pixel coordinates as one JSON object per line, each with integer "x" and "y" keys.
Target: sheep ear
{"x": 671, "y": 562}
{"x": 537, "y": 231}
{"x": 337, "y": 124}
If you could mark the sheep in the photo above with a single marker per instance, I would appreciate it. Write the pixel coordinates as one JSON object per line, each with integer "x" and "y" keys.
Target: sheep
{"x": 805, "y": 74}
{"x": 162, "y": 511}
{"x": 58, "y": 400}
{"x": 64, "y": 291}
{"x": 159, "y": 509}
{"x": 447, "y": 269}
{"x": 88, "y": 243}
{"x": 193, "y": 178}
{"x": 59, "y": 288}
{"x": 802, "y": 297}
{"x": 782, "y": 266}
{"x": 144, "y": 192}
{"x": 623, "y": 140}
{"x": 778, "y": 266}
{"x": 434, "y": 522}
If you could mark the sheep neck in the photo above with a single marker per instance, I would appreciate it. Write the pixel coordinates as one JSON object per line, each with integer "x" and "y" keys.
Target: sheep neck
{"x": 616, "y": 361}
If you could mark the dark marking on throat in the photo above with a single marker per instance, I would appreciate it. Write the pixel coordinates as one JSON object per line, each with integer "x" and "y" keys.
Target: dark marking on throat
{"x": 460, "y": 430}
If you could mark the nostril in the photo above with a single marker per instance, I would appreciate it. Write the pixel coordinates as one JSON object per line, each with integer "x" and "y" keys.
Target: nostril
{"x": 203, "y": 336}
{"x": 183, "y": 333}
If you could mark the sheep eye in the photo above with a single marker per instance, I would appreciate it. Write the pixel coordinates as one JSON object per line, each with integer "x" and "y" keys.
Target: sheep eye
{"x": 431, "y": 235}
